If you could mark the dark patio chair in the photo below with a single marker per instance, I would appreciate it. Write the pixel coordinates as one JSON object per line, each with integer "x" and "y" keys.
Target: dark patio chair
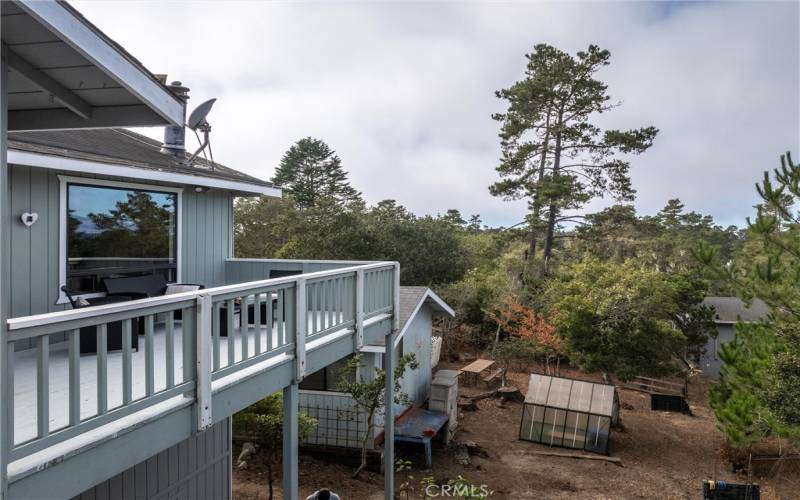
{"x": 88, "y": 334}
{"x": 146, "y": 286}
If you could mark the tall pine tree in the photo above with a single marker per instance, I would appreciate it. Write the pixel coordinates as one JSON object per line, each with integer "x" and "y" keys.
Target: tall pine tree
{"x": 760, "y": 386}
{"x": 552, "y": 155}
{"x": 311, "y": 172}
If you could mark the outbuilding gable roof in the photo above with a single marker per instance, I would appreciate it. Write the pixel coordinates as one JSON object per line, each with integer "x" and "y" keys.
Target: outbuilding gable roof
{"x": 412, "y": 298}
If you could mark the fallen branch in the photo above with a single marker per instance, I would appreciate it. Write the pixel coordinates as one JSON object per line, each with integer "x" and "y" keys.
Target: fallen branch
{"x": 613, "y": 460}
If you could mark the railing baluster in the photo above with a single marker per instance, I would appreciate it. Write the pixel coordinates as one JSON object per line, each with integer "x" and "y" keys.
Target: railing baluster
{"x": 10, "y": 358}
{"x": 337, "y": 301}
{"x": 102, "y": 368}
{"x": 257, "y": 322}
{"x": 187, "y": 345}
{"x": 215, "y": 334}
{"x": 312, "y": 308}
{"x": 269, "y": 319}
{"x": 169, "y": 350}
{"x": 382, "y": 288}
{"x": 244, "y": 328}
{"x": 320, "y": 306}
{"x": 349, "y": 297}
{"x": 127, "y": 363}
{"x": 326, "y": 305}
{"x": 43, "y": 385}
{"x": 229, "y": 322}
{"x": 74, "y": 377}
{"x": 149, "y": 356}
{"x": 281, "y": 327}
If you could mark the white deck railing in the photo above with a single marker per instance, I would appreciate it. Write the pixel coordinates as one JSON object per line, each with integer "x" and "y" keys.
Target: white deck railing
{"x": 180, "y": 354}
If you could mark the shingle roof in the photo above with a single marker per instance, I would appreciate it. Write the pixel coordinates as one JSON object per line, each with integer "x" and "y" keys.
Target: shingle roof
{"x": 122, "y": 147}
{"x": 733, "y": 309}
{"x": 409, "y": 299}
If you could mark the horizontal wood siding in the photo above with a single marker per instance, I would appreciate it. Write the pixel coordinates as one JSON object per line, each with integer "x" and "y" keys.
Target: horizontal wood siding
{"x": 196, "y": 468}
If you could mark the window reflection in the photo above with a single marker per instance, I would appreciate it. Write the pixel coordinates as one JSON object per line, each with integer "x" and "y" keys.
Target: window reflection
{"x": 114, "y": 232}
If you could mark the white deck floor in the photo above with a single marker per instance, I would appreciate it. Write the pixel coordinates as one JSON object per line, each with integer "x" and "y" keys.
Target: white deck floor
{"x": 25, "y": 377}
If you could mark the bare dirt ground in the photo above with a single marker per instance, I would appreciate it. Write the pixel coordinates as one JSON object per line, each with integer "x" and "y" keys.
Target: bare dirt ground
{"x": 664, "y": 455}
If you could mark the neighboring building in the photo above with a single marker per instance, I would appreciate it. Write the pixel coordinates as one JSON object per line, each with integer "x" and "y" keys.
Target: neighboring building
{"x": 340, "y": 423}
{"x": 727, "y": 312}
{"x": 144, "y": 409}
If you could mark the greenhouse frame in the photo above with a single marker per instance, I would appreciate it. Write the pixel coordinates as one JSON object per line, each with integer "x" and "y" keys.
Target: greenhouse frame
{"x": 569, "y": 413}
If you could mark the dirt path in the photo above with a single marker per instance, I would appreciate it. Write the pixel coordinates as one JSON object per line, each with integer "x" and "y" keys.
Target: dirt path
{"x": 664, "y": 455}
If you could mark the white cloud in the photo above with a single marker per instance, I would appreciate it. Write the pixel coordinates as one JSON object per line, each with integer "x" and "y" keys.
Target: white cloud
{"x": 404, "y": 91}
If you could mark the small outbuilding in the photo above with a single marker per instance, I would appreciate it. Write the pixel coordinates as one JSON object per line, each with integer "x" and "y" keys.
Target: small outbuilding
{"x": 728, "y": 311}
{"x": 569, "y": 413}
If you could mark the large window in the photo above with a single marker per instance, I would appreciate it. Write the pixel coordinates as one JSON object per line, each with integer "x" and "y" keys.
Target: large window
{"x": 115, "y": 230}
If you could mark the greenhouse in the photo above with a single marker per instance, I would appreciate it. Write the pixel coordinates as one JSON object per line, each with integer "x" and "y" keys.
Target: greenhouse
{"x": 569, "y": 413}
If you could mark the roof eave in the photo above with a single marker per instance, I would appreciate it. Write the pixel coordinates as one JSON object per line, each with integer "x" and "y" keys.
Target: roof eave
{"x": 53, "y": 162}
{"x": 63, "y": 22}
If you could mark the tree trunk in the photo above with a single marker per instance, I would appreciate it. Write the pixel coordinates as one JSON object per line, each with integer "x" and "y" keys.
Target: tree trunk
{"x": 496, "y": 339}
{"x": 269, "y": 480}
{"x": 364, "y": 445}
{"x": 553, "y": 210}
{"x": 537, "y": 203}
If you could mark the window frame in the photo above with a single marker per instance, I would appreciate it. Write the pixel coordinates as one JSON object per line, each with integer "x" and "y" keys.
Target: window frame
{"x": 65, "y": 180}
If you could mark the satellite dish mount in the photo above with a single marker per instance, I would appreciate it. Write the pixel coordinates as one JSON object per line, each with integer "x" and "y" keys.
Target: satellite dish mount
{"x": 197, "y": 121}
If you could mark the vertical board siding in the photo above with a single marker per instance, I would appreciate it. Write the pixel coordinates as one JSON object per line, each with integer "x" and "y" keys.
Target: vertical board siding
{"x": 196, "y": 468}
{"x": 417, "y": 339}
{"x": 205, "y": 234}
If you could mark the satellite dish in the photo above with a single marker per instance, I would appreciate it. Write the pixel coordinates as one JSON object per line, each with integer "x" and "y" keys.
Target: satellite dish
{"x": 198, "y": 116}
{"x": 197, "y": 121}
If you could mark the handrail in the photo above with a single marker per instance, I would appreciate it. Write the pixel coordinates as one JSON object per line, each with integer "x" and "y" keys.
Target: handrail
{"x": 135, "y": 305}
{"x": 301, "y": 261}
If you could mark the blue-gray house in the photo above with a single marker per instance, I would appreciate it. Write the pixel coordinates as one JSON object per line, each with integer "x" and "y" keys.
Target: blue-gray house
{"x": 129, "y": 334}
{"x": 728, "y": 311}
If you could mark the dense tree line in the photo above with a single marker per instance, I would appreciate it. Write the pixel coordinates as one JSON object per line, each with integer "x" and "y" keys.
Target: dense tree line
{"x": 613, "y": 291}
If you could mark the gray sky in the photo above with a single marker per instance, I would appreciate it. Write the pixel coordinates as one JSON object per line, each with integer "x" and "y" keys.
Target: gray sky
{"x": 404, "y": 91}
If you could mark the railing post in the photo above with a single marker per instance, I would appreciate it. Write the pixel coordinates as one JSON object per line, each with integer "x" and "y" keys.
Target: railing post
{"x": 388, "y": 366}
{"x": 203, "y": 361}
{"x": 301, "y": 327}
{"x": 359, "y": 310}
{"x": 291, "y": 400}
{"x": 5, "y": 273}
